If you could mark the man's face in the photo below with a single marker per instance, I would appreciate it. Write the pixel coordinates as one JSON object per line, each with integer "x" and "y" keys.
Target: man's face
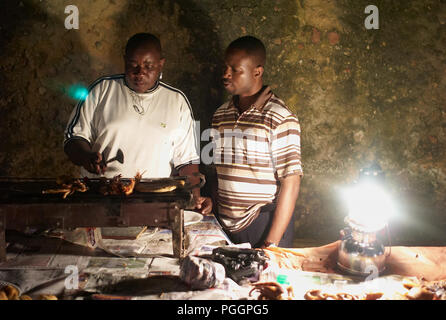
{"x": 143, "y": 66}
{"x": 240, "y": 73}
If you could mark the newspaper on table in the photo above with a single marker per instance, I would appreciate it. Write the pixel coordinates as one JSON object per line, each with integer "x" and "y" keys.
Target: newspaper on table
{"x": 149, "y": 255}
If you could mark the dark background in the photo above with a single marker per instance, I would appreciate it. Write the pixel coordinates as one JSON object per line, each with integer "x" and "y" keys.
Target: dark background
{"x": 360, "y": 95}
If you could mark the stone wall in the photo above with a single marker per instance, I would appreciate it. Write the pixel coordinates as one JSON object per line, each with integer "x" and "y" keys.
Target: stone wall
{"x": 360, "y": 95}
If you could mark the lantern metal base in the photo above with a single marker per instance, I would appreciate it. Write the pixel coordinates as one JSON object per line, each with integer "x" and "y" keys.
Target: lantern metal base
{"x": 361, "y": 258}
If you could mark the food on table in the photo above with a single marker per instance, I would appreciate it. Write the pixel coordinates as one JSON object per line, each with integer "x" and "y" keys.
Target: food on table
{"x": 373, "y": 295}
{"x": 387, "y": 288}
{"x": 10, "y": 292}
{"x": 409, "y": 283}
{"x": 3, "y": 295}
{"x": 426, "y": 290}
{"x": 47, "y": 297}
{"x": 161, "y": 185}
{"x": 420, "y": 293}
{"x": 272, "y": 291}
{"x": 116, "y": 185}
{"x": 67, "y": 186}
{"x": 412, "y": 289}
{"x": 318, "y": 295}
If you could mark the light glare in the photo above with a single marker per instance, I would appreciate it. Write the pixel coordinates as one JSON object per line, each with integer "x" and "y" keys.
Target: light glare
{"x": 369, "y": 205}
{"x": 78, "y": 92}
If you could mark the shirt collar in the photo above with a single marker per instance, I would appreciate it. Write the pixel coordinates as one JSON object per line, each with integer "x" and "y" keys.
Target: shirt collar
{"x": 260, "y": 102}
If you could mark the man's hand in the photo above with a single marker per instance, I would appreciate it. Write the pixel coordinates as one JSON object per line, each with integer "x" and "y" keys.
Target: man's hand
{"x": 79, "y": 152}
{"x": 204, "y": 205}
{"x": 94, "y": 163}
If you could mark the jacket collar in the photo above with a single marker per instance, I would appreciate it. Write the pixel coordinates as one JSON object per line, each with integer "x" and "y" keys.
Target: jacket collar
{"x": 157, "y": 83}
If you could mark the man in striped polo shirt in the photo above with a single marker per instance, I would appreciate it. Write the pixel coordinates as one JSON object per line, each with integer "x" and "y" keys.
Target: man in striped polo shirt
{"x": 138, "y": 114}
{"x": 256, "y": 153}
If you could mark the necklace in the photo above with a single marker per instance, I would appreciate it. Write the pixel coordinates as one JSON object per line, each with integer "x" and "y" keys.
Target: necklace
{"x": 137, "y": 103}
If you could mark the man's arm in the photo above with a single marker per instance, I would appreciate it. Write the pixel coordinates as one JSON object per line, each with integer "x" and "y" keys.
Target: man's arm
{"x": 202, "y": 204}
{"x": 286, "y": 201}
{"x": 79, "y": 152}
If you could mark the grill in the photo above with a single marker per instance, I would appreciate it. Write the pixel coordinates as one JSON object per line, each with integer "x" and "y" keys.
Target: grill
{"x": 22, "y": 205}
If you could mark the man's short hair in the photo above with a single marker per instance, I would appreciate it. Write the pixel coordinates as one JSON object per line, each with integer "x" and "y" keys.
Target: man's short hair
{"x": 141, "y": 39}
{"x": 252, "y": 46}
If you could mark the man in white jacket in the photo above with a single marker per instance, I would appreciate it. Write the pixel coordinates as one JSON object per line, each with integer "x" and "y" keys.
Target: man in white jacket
{"x": 150, "y": 122}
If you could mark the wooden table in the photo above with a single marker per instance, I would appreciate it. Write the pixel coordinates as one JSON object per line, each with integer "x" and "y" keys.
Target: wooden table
{"x": 22, "y": 205}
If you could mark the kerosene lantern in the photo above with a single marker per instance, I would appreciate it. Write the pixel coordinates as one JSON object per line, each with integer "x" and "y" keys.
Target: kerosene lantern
{"x": 361, "y": 252}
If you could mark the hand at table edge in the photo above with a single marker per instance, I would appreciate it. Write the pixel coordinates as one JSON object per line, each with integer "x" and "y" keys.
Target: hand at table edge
{"x": 204, "y": 205}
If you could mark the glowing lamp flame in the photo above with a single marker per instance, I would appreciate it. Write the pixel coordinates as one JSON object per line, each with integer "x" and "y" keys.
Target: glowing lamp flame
{"x": 369, "y": 206}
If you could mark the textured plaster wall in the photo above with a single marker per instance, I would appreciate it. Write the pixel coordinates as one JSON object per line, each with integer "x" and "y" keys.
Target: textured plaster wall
{"x": 361, "y": 95}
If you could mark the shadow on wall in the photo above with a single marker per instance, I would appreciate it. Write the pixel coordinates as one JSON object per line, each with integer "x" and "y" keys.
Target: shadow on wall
{"x": 40, "y": 59}
{"x": 205, "y": 87}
